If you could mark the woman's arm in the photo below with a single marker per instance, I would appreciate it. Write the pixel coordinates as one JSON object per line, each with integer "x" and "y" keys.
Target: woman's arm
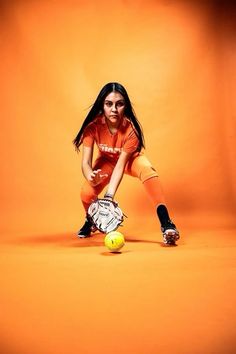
{"x": 87, "y": 157}
{"x": 92, "y": 176}
{"x": 117, "y": 174}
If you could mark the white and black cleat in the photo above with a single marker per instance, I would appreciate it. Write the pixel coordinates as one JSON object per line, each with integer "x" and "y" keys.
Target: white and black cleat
{"x": 86, "y": 229}
{"x": 170, "y": 233}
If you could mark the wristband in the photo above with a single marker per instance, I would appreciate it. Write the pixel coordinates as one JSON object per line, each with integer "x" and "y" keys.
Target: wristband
{"x": 108, "y": 195}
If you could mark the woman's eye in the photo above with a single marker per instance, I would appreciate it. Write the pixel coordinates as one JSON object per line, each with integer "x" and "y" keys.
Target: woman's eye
{"x": 118, "y": 104}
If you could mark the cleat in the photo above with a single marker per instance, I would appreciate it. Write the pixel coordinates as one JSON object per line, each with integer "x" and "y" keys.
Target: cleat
{"x": 86, "y": 229}
{"x": 170, "y": 233}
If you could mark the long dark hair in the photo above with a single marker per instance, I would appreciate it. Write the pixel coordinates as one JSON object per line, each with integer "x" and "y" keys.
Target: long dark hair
{"x": 97, "y": 108}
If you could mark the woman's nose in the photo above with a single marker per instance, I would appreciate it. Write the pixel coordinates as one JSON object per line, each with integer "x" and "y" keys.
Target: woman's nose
{"x": 114, "y": 108}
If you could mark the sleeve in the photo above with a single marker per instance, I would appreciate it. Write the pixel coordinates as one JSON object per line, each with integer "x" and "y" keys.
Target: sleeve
{"x": 89, "y": 135}
{"x": 131, "y": 142}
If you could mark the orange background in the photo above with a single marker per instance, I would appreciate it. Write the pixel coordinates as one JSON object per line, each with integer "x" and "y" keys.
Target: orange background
{"x": 63, "y": 295}
{"x": 177, "y": 61}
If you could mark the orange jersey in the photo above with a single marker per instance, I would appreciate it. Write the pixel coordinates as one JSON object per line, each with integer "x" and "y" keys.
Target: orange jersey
{"x": 110, "y": 145}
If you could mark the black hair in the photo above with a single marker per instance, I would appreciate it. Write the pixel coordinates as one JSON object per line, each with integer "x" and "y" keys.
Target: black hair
{"x": 97, "y": 108}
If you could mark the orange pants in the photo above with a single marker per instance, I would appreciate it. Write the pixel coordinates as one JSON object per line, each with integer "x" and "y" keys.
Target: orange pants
{"x": 138, "y": 166}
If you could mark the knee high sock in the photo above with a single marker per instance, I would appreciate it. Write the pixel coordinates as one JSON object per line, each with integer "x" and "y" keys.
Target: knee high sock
{"x": 85, "y": 205}
{"x": 154, "y": 190}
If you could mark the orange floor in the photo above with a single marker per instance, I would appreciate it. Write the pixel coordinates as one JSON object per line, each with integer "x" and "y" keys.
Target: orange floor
{"x": 62, "y": 295}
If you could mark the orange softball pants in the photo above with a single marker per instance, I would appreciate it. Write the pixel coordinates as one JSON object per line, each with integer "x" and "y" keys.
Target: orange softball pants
{"x": 137, "y": 166}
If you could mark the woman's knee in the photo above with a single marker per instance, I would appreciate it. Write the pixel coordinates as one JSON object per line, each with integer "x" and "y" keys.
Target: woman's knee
{"x": 141, "y": 168}
{"x": 88, "y": 194}
{"x": 147, "y": 172}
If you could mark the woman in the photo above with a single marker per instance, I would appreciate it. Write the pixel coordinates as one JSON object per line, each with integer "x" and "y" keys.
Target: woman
{"x": 113, "y": 126}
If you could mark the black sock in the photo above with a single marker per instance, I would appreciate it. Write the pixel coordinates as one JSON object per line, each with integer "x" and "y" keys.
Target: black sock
{"x": 162, "y": 214}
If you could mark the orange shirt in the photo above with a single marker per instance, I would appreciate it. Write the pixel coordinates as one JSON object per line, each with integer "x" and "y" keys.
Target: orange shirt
{"x": 110, "y": 145}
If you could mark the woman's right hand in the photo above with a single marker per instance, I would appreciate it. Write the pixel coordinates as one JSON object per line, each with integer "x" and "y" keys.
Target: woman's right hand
{"x": 96, "y": 177}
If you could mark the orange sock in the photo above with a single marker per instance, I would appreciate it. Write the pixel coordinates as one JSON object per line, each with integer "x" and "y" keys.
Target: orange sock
{"x": 154, "y": 190}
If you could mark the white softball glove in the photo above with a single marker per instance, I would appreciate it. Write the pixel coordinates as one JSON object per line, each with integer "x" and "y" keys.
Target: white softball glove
{"x": 106, "y": 215}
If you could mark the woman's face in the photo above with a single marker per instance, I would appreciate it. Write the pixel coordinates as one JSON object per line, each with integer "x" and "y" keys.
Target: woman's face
{"x": 114, "y": 107}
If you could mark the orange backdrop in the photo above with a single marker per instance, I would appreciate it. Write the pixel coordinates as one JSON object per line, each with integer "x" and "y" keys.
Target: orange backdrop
{"x": 177, "y": 61}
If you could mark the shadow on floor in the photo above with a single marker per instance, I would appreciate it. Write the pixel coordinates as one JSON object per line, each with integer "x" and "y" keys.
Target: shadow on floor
{"x": 71, "y": 240}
